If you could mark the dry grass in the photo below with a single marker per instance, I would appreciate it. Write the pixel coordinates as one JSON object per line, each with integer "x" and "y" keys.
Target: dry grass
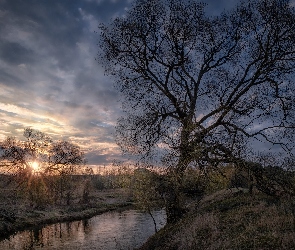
{"x": 231, "y": 220}
{"x": 17, "y": 212}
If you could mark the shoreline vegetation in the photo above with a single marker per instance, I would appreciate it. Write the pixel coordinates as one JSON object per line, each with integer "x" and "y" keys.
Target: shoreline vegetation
{"x": 223, "y": 211}
{"x": 226, "y": 219}
{"x": 29, "y": 203}
{"x": 230, "y": 219}
{"x": 40, "y": 218}
{"x": 18, "y": 212}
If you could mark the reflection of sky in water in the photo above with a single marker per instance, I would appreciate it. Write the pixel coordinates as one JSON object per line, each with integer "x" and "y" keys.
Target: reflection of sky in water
{"x": 112, "y": 230}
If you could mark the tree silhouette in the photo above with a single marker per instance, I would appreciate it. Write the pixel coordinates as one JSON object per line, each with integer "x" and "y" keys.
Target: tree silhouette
{"x": 56, "y": 160}
{"x": 202, "y": 89}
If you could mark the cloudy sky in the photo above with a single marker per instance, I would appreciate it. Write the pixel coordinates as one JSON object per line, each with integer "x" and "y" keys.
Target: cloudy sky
{"x": 49, "y": 79}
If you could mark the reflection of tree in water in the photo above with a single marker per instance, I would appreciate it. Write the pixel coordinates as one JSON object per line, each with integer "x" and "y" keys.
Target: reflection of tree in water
{"x": 38, "y": 237}
{"x": 85, "y": 224}
{"x": 130, "y": 228}
{"x": 68, "y": 227}
{"x": 26, "y": 240}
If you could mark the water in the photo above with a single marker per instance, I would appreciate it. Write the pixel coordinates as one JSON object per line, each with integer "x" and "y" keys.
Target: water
{"x": 112, "y": 230}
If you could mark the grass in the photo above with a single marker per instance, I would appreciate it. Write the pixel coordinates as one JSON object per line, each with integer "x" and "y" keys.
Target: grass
{"x": 231, "y": 220}
{"x": 16, "y": 212}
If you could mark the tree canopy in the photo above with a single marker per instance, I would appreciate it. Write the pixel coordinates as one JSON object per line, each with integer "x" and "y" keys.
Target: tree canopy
{"x": 202, "y": 89}
{"x": 52, "y": 157}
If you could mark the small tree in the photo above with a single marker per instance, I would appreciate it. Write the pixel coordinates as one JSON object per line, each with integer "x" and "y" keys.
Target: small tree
{"x": 38, "y": 160}
{"x": 145, "y": 191}
{"x": 201, "y": 89}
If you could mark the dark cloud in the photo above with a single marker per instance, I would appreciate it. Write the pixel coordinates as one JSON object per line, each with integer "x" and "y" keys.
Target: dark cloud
{"x": 97, "y": 159}
{"x": 104, "y": 10}
{"x": 10, "y": 79}
{"x": 48, "y": 69}
{"x": 15, "y": 53}
{"x": 215, "y": 7}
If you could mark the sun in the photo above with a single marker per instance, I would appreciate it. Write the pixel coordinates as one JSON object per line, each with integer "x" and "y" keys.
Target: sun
{"x": 35, "y": 166}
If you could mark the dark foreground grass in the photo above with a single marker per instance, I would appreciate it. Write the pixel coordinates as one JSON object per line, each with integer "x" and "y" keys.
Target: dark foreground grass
{"x": 231, "y": 220}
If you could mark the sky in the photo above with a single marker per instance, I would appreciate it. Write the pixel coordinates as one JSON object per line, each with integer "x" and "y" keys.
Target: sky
{"x": 49, "y": 79}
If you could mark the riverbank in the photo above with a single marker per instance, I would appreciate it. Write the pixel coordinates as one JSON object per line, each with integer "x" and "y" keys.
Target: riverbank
{"x": 18, "y": 216}
{"x": 116, "y": 230}
{"x": 230, "y": 220}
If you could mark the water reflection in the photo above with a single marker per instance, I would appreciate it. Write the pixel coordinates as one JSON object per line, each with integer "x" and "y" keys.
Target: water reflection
{"x": 113, "y": 230}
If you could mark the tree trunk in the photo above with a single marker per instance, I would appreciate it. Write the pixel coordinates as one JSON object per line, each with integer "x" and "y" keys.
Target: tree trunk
{"x": 174, "y": 206}
{"x": 174, "y": 210}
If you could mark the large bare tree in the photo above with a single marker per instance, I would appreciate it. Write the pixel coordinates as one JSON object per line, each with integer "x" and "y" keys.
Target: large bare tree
{"x": 201, "y": 89}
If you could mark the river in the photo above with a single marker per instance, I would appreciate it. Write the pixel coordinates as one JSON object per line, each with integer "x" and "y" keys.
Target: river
{"x": 113, "y": 230}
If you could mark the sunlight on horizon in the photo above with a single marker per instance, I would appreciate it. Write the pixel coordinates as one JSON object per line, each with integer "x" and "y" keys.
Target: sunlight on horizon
{"x": 35, "y": 166}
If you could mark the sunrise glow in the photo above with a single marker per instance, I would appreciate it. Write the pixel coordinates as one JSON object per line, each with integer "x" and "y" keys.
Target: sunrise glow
{"x": 35, "y": 166}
